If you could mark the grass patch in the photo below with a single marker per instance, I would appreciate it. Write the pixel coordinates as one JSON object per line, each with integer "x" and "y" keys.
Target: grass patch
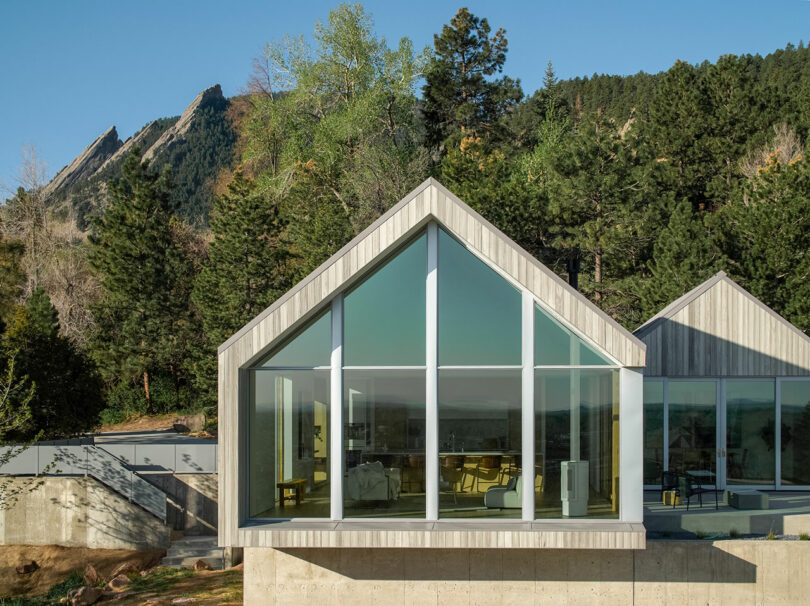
{"x": 770, "y": 536}
{"x": 734, "y": 533}
{"x": 700, "y": 534}
{"x": 803, "y": 536}
{"x": 160, "y": 580}
{"x": 55, "y": 593}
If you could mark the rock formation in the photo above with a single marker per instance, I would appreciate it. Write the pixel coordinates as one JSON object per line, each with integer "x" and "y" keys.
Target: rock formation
{"x": 175, "y": 134}
{"x": 88, "y": 162}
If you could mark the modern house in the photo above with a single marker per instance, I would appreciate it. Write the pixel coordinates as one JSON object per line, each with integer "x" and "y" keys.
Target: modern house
{"x": 434, "y": 416}
{"x": 726, "y": 389}
{"x": 431, "y": 385}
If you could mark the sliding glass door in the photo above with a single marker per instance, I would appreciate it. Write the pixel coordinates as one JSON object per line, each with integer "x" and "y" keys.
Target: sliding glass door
{"x": 746, "y": 432}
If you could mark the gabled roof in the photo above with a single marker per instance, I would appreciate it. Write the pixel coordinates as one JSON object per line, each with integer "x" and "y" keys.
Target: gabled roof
{"x": 720, "y": 329}
{"x": 431, "y": 202}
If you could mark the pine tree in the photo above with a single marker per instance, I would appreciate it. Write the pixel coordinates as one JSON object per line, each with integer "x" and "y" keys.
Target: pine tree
{"x": 67, "y": 398}
{"x": 460, "y": 96}
{"x": 683, "y": 257}
{"x": 765, "y": 232}
{"x": 140, "y": 270}
{"x": 246, "y": 271}
{"x": 599, "y": 204}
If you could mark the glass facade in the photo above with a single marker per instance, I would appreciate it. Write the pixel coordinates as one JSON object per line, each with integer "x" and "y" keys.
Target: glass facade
{"x": 478, "y": 395}
{"x": 750, "y": 432}
{"x": 653, "y": 431}
{"x": 479, "y": 311}
{"x": 312, "y": 346}
{"x": 479, "y": 443}
{"x": 795, "y": 447}
{"x": 692, "y": 425}
{"x": 288, "y": 444}
{"x": 384, "y": 443}
{"x": 576, "y": 443}
{"x": 555, "y": 345}
{"x": 397, "y": 290}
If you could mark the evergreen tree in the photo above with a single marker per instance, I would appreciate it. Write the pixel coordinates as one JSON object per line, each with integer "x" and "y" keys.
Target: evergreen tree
{"x": 765, "y": 232}
{"x": 460, "y": 96}
{"x": 599, "y": 196}
{"x": 246, "y": 270}
{"x": 683, "y": 257}
{"x": 68, "y": 396}
{"x": 141, "y": 271}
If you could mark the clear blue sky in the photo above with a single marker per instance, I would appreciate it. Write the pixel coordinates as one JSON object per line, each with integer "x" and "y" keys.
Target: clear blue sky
{"x": 69, "y": 70}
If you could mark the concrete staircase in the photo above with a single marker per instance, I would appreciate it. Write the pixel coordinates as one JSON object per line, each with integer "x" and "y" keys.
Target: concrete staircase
{"x": 185, "y": 551}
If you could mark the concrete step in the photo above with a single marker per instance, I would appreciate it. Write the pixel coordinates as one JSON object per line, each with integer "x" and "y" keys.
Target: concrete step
{"x": 184, "y": 552}
{"x": 216, "y": 563}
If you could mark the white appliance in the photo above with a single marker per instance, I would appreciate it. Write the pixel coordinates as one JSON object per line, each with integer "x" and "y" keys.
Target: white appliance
{"x": 574, "y": 488}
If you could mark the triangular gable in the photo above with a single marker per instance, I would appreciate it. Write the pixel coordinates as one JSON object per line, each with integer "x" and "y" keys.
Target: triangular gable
{"x": 430, "y": 201}
{"x": 720, "y": 329}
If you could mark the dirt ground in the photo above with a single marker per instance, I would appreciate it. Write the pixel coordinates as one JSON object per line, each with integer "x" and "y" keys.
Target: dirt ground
{"x": 57, "y": 563}
{"x": 143, "y": 424}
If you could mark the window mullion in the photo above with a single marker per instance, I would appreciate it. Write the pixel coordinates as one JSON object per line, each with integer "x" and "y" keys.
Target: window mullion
{"x": 527, "y": 407}
{"x": 336, "y": 410}
{"x": 432, "y": 376}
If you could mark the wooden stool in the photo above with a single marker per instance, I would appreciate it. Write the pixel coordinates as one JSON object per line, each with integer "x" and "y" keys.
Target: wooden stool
{"x": 299, "y": 485}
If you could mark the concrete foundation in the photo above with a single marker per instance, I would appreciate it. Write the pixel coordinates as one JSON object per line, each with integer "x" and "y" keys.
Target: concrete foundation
{"x": 77, "y": 512}
{"x": 736, "y": 573}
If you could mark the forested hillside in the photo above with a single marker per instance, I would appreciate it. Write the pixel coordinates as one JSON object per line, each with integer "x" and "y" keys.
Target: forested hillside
{"x": 643, "y": 185}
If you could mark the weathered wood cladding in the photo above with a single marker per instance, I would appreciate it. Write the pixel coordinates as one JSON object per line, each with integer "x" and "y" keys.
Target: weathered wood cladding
{"x": 430, "y": 201}
{"x": 720, "y": 330}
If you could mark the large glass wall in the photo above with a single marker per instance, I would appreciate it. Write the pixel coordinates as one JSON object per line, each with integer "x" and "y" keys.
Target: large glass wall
{"x": 750, "y": 431}
{"x": 795, "y": 433}
{"x": 479, "y": 443}
{"x": 384, "y": 429}
{"x": 576, "y": 443}
{"x": 653, "y": 431}
{"x": 384, "y": 443}
{"x": 692, "y": 426}
{"x": 288, "y": 444}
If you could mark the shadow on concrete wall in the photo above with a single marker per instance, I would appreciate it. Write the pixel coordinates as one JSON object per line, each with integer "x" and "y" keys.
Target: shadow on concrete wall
{"x": 664, "y": 561}
{"x": 192, "y": 501}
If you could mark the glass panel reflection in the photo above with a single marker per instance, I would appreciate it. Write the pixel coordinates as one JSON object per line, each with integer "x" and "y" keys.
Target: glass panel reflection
{"x": 479, "y": 311}
{"x": 384, "y": 443}
{"x": 555, "y": 345}
{"x": 479, "y": 444}
{"x": 384, "y": 317}
{"x": 311, "y": 346}
{"x": 692, "y": 426}
{"x": 795, "y": 431}
{"x": 288, "y": 449}
{"x": 750, "y": 432}
{"x": 653, "y": 431}
{"x": 576, "y": 443}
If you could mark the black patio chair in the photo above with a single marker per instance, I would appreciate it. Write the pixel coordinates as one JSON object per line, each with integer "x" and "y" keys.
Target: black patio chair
{"x": 689, "y": 487}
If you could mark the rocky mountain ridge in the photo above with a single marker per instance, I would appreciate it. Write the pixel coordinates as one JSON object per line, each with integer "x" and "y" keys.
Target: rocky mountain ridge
{"x": 196, "y": 145}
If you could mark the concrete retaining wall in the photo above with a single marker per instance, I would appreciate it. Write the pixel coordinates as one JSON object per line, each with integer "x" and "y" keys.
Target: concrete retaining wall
{"x": 736, "y": 573}
{"x": 77, "y": 512}
{"x": 192, "y": 500}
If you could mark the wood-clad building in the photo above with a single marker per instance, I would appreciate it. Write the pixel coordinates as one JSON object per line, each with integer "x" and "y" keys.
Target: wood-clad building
{"x": 727, "y": 390}
{"x": 397, "y": 396}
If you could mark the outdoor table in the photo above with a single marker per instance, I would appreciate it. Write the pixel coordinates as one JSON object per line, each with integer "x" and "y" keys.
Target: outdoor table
{"x": 296, "y": 484}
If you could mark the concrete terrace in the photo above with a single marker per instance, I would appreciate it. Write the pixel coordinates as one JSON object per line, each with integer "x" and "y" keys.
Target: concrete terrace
{"x": 663, "y": 521}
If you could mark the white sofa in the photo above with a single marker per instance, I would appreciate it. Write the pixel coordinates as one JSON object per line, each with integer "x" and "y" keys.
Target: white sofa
{"x": 372, "y": 482}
